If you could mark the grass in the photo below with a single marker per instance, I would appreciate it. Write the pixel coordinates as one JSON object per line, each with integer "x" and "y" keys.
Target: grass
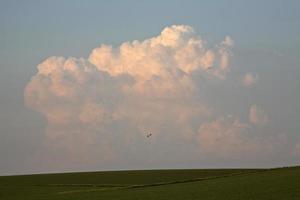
{"x": 283, "y": 183}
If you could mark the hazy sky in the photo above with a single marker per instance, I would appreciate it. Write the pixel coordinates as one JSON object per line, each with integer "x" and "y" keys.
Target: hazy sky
{"x": 217, "y": 83}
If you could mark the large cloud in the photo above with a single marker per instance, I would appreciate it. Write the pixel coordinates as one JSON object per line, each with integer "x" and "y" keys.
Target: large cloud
{"x": 99, "y": 109}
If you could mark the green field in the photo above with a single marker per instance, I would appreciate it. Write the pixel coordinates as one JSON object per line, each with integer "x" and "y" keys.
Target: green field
{"x": 281, "y": 183}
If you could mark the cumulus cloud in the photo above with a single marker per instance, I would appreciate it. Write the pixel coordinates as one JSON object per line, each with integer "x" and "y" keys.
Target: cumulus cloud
{"x": 121, "y": 92}
{"x": 91, "y": 90}
{"x": 98, "y": 109}
{"x": 176, "y": 52}
{"x": 257, "y": 115}
{"x": 250, "y": 79}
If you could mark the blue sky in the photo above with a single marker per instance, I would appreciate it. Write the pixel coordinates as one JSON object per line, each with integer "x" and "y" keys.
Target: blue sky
{"x": 267, "y": 43}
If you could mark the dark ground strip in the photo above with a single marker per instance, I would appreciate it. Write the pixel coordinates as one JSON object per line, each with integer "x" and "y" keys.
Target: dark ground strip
{"x": 120, "y": 187}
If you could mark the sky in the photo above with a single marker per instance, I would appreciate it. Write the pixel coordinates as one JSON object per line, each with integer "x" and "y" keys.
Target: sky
{"x": 83, "y": 82}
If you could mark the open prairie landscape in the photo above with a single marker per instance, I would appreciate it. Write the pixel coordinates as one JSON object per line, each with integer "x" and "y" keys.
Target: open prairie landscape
{"x": 223, "y": 184}
{"x": 149, "y": 100}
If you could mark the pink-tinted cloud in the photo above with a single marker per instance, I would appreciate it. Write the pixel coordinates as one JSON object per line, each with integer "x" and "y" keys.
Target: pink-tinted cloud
{"x": 175, "y": 51}
{"x": 99, "y": 109}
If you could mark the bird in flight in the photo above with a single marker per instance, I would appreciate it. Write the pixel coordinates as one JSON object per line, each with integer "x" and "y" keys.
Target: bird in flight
{"x": 149, "y": 135}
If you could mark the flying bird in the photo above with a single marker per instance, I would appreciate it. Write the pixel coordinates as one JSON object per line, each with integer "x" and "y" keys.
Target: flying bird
{"x": 149, "y": 135}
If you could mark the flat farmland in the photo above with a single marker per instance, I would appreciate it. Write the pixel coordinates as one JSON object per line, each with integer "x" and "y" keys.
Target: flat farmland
{"x": 280, "y": 183}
